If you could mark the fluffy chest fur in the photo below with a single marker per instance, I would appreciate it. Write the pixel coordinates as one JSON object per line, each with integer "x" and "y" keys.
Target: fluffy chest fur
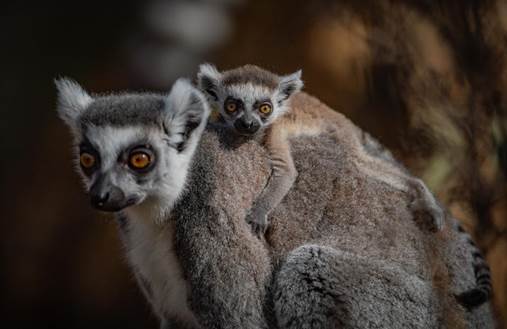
{"x": 150, "y": 251}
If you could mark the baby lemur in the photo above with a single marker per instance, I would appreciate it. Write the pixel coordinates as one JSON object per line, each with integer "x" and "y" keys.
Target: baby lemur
{"x": 253, "y": 102}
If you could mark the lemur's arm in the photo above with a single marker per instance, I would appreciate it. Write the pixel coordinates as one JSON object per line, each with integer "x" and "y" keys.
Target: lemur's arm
{"x": 282, "y": 178}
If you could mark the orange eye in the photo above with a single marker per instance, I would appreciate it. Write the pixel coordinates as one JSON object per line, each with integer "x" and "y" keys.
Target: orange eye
{"x": 265, "y": 108}
{"x": 231, "y": 107}
{"x": 139, "y": 160}
{"x": 87, "y": 160}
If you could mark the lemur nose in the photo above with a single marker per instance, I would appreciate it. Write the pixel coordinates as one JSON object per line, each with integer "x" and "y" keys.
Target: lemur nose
{"x": 107, "y": 197}
{"x": 246, "y": 126}
{"x": 99, "y": 200}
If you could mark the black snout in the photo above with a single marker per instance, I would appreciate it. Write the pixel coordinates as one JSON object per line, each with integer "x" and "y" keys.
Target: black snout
{"x": 246, "y": 126}
{"x": 99, "y": 200}
{"x": 107, "y": 197}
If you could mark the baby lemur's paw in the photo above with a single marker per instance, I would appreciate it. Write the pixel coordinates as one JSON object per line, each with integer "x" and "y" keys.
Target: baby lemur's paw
{"x": 425, "y": 204}
{"x": 258, "y": 222}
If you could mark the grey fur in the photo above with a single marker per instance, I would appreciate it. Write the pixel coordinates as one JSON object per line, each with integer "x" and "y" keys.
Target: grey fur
{"x": 342, "y": 250}
{"x": 475, "y": 296}
{"x": 333, "y": 279}
{"x": 252, "y": 85}
{"x": 123, "y": 110}
{"x": 377, "y": 269}
{"x": 423, "y": 204}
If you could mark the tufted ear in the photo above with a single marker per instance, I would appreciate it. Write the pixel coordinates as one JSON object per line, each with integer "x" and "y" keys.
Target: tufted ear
{"x": 288, "y": 85}
{"x": 186, "y": 113}
{"x": 208, "y": 80}
{"x": 72, "y": 100}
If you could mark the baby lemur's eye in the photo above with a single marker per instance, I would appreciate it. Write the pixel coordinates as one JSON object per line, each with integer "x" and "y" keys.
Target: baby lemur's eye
{"x": 265, "y": 108}
{"x": 87, "y": 160}
{"x": 231, "y": 106}
{"x": 140, "y": 159}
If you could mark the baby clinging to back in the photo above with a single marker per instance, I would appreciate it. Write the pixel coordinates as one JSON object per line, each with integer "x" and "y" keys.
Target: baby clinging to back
{"x": 254, "y": 102}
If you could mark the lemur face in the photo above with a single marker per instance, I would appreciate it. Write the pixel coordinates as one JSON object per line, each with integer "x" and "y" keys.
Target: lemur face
{"x": 248, "y": 99}
{"x": 122, "y": 166}
{"x": 132, "y": 148}
{"x": 245, "y": 112}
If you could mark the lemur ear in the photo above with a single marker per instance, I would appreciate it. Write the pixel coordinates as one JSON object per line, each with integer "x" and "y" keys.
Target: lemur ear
{"x": 208, "y": 80}
{"x": 186, "y": 114}
{"x": 289, "y": 84}
{"x": 72, "y": 100}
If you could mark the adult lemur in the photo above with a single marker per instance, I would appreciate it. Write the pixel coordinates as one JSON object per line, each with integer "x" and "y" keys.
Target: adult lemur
{"x": 252, "y": 102}
{"x": 340, "y": 251}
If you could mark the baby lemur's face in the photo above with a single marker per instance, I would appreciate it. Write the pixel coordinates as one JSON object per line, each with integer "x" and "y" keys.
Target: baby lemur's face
{"x": 133, "y": 148}
{"x": 248, "y": 99}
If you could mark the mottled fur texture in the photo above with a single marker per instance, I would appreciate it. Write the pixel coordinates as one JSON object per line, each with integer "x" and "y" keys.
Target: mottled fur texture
{"x": 251, "y": 86}
{"x": 343, "y": 253}
{"x": 342, "y": 250}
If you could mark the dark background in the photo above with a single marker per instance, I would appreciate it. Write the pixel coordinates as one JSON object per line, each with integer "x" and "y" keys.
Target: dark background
{"x": 428, "y": 78}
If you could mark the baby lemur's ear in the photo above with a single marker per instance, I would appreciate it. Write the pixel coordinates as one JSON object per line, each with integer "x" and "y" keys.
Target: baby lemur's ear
{"x": 208, "y": 80}
{"x": 289, "y": 84}
{"x": 72, "y": 100}
{"x": 185, "y": 114}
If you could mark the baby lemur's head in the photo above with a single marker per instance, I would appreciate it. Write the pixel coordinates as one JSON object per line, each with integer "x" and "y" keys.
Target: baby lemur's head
{"x": 133, "y": 149}
{"x": 248, "y": 98}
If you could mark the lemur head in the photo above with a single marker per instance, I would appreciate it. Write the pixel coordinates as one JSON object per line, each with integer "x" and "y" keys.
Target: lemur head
{"x": 133, "y": 149}
{"x": 248, "y": 98}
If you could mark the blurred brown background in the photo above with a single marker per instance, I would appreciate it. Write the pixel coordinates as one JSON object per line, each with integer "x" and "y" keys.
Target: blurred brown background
{"x": 428, "y": 78}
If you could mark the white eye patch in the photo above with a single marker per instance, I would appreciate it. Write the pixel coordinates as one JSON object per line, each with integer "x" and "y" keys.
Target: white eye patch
{"x": 249, "y": 93}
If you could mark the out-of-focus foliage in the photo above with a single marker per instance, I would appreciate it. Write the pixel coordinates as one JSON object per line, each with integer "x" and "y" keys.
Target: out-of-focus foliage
{"x": 428, "y": 78}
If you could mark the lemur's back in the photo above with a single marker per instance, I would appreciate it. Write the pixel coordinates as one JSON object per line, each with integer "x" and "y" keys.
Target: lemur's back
{"x": 351, "y": 174}
{"x": 333, "y": 204}
{"x": 371, "y": 218}
{"x": 309, "y": 116}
